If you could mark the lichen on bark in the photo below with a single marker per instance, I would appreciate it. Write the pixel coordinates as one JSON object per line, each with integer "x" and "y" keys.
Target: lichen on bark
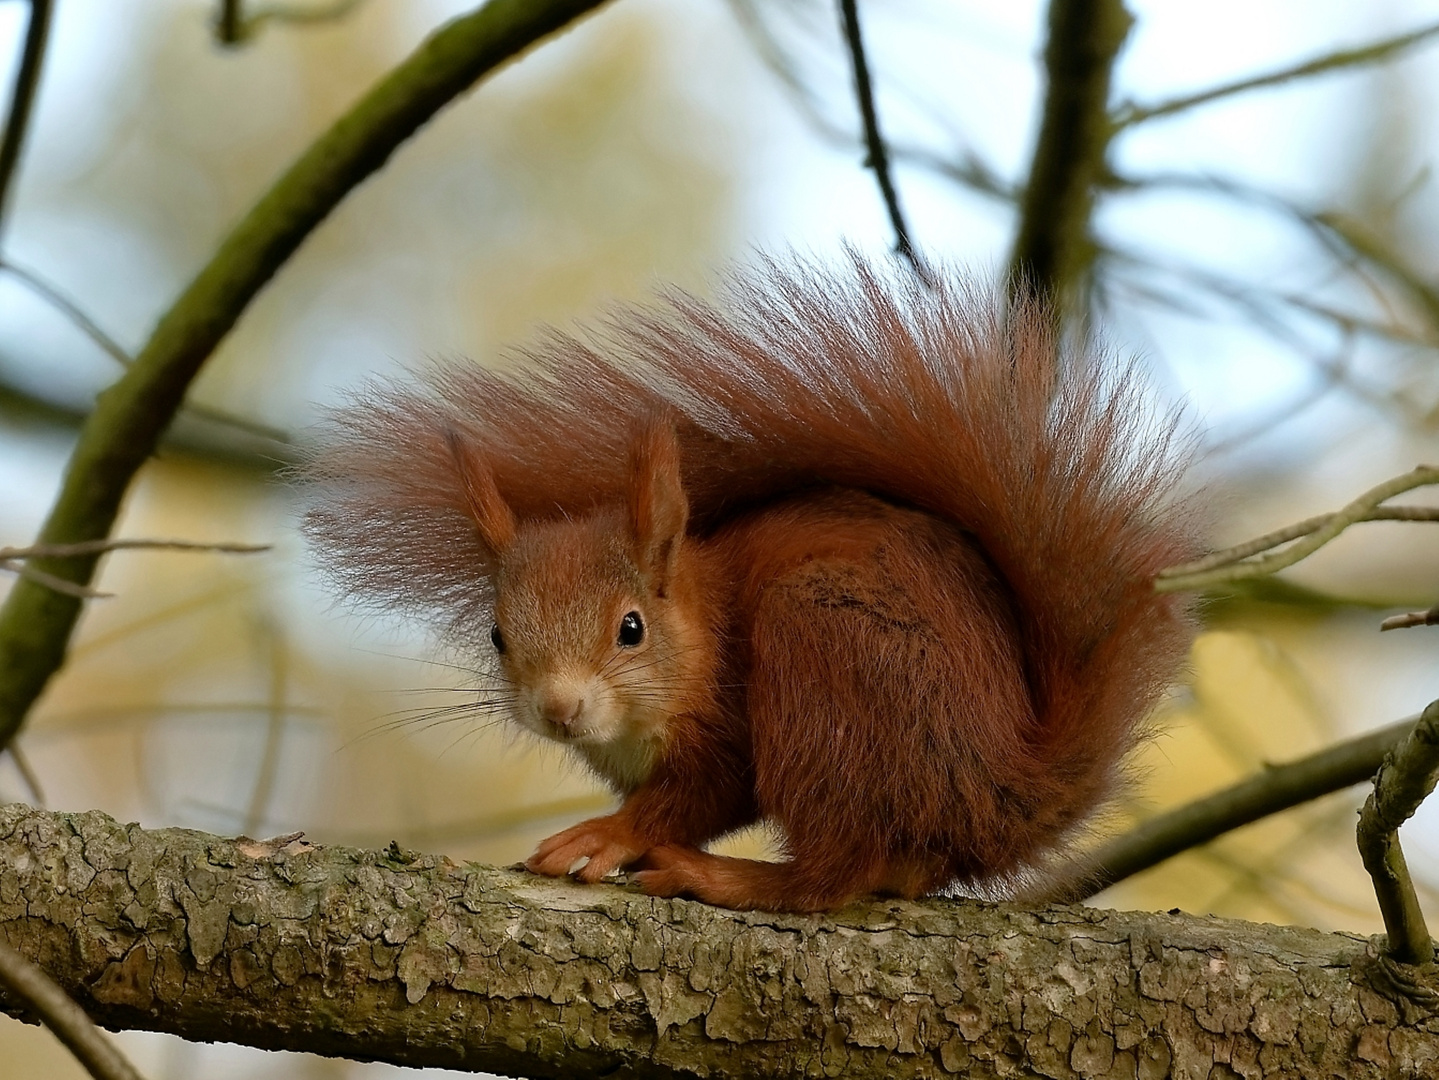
{"x": 413, "y": 959}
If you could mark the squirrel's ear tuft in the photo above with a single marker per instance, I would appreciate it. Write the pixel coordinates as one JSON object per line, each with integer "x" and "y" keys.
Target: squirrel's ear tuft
{"x": 483, "y": 502}
{"x": 657, "y": 503}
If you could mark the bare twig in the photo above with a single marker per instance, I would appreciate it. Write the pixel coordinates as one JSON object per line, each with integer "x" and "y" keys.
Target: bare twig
{"x": 12, "y": 559}
{"x": 1278, "y": 787}
{"x": 233, "y": 27}
{"x": 303, "y": 14}
{"x": 1293, "y": 532}
{"x": 1405, "y": 778}
{"x": 1363, "y": 242}
{"x": 1335, "y": 61}
{"x": 1197, "y": 576}
{"x": 965, "y": 167}
{"x": 54, "y": 582}
{"x": 22, "y": 98}
{"x": 278, "y": 711}
{"x": 27, "y": 772}
{"x": 99, "y": 547}
{"x": 112, "y": 348}
{"x": 67, "y": 307}
{"x": 63, "y": 1017}
{"x": 878, "y": 155}
{"x": 1412, "y": 618}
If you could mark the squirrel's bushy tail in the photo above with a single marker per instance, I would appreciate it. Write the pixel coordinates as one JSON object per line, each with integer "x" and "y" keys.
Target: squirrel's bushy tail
{"x": 928, "y": 395}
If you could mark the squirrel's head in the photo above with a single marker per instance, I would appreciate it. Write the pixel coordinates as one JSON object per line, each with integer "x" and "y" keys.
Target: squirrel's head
{"x": 596, "y": 628}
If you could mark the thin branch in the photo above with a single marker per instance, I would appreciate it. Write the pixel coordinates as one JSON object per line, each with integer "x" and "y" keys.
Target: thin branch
{"x": 11, "y": 560}
{"x": 1293, "y": 532}
{"x": 1406, "y": 777}
{"x": 1363, "y": 242}
{"x": 1339, "y": 60}
{"x": 22, "y": 408}
{"x": 27, "y": 772}
{"x": 112, "y": 348}
{"x": 277, "y": 708}
{"x": 22, "y": 98}
{"x": 67, "y": 307}
{"x": 1331, "y": 375}
{"x": 1185, "y": 577}
{"x": 1429, "y": 617}
{"x": 129, "y": 417}
{"x": 1277, "y": 788}
{"x": 99, "y": 547}
{"x": 54, "y": 582}
{"x": 302, "y": 14}
{"x": 965, "y": 168}
{"x": 233, "y": 27}
{"x": 1053, "y": 247}
{"x": 63, "y": 1017}
{"x": 878, "y": 155}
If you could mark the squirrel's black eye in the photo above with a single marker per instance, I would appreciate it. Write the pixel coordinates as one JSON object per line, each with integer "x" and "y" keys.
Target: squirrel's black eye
{"x": 632, "y": 629}
{"x": 497, "y": 639}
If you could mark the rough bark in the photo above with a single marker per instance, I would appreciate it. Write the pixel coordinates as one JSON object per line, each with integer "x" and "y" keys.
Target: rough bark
{"x": 413, "y": 959}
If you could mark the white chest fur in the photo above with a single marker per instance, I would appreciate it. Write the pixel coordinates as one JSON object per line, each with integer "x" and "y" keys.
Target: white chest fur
{"x": 624, "y": 763}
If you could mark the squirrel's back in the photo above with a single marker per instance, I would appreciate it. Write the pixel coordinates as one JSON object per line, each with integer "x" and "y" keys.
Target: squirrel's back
{"x": 798, "y": 379}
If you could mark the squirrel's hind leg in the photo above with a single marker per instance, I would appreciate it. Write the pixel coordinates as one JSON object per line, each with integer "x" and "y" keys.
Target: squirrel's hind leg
{"x": 749, "y": 885}
{"x": 889, "y": 712}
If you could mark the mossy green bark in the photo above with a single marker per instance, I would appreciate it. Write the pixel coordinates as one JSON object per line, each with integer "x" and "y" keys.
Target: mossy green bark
{"x": 409, "y": 958}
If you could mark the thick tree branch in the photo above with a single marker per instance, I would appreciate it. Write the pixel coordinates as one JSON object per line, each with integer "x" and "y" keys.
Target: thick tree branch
{"x": 412, "y": 959}
{"x": 1053, "y": 247}
{"x": 130, "y": 416}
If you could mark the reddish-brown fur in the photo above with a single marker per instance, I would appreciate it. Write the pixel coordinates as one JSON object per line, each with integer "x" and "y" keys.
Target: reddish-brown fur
{"x": 892, "y": 552}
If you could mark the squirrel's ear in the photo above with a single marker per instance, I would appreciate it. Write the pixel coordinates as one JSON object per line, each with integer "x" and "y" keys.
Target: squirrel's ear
{"x": 658, "y": 507}
{"x": 483, "y": 502}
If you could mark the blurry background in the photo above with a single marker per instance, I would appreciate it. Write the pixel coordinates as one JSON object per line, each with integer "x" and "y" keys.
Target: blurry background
{"x": 1271, "y": 256}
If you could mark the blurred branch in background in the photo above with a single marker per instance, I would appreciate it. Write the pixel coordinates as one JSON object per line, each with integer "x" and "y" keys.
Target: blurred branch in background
{"x": 22, "y": 99}
{"x": 1130, "y": 114}
{"x": 41, "y": 994}
{"x": 112, "y": 348}
{"x": 1277, "y": 788}
{"x": 1053, "y": 243}
{"x": 876, "y": 154}
{"x": 14, "y": 559}
{"x": 235, "y": 26}
{"x": 122, "y": 432}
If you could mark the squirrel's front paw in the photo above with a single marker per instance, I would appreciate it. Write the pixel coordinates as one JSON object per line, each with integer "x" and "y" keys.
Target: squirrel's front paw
{"x": 605, "y": 841}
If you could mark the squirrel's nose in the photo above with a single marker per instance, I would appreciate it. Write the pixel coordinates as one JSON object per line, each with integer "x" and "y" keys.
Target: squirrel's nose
{"x": 561, "y": 710}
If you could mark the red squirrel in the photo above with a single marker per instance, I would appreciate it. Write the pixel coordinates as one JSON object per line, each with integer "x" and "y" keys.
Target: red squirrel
{"x": 865, "y": 558}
